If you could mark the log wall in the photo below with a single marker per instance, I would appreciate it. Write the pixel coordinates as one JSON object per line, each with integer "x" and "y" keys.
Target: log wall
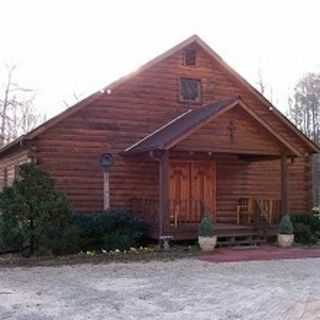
{"x": 70, "y": 150}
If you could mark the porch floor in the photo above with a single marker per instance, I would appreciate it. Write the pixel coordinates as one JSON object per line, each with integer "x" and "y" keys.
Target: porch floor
{"x": 190, "y": 232}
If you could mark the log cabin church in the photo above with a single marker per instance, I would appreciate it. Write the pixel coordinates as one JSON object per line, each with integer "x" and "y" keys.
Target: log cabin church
{"x": 183, "y": 136}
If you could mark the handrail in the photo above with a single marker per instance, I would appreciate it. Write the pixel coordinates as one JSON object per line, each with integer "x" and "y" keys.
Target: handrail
{"x": 186, "y": 211}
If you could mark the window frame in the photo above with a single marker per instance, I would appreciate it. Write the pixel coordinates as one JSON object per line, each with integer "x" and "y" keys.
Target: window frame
{"x": 184, "y": 57}
{"x": 190, "y": 101}
{"x": 5, "y": 176}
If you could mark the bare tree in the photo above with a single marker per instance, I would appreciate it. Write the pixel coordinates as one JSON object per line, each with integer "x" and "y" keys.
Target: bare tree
{"x": 304, "y": 106}
{"x": 17, "y": 112}
{"x": 261, "y": 84}
{"x": 76, "y": 97}
{"x": 304, "y": 111}
{"x": 264, "y": 88}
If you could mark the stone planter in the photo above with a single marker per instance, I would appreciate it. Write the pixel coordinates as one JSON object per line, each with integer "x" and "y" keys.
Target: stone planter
{"x": 207, "y": 243}
{"x": 285, "y": 240}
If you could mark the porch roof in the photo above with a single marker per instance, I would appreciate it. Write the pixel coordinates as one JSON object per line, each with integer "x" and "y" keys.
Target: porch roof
{"x": 182, "y": 126}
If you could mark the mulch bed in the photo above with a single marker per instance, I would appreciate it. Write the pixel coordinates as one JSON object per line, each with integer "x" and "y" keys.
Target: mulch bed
{"x": 45, "y": 261}
{"x": 263, "y": 253}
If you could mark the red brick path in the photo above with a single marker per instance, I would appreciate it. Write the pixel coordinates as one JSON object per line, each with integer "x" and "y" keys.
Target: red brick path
{"x": 262, "y": 253}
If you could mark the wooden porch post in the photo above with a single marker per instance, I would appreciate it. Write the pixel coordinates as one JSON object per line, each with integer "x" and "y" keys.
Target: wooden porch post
{"x": 163, "y": 190}
{"x": 106, "y": 190}
{"x": 284, "y": 185}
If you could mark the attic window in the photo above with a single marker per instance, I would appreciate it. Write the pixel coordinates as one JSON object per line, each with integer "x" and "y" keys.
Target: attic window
{"x": 190, "y": 90}
{"x": 190, "y": 57}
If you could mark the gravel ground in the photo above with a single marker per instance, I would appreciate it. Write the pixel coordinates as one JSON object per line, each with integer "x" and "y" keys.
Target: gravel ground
{"x": 183, "y": 289}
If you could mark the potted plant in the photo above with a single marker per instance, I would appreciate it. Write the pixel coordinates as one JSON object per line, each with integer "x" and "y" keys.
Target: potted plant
{"x": 207, "y": 239}
{"x": 285, "y": 235}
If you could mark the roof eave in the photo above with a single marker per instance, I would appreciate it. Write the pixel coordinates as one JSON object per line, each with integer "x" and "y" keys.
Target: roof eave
{"x": 195, "y": 38}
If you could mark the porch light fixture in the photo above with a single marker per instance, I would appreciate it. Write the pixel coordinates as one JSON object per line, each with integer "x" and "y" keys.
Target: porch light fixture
{"x": 105, "y": 162}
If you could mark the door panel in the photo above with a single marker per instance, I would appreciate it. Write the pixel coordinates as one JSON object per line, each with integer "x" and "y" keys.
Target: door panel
{"x": 192, "y": 190}
{"x": 179, "y": 191}
{"x": 203, "y": 188}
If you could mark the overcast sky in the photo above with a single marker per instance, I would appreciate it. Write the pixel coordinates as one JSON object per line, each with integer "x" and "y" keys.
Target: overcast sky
{"x": 66, "y": 47}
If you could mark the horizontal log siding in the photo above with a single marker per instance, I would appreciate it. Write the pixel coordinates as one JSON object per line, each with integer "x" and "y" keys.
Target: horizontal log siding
{"x": 70, "y": 150}
{"x": 261, "y": 179}
{"x": 248, "y": 136}
{"x": 232, "y": 183}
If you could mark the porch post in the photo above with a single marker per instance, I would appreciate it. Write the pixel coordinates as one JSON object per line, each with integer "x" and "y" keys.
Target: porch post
{"x": 284, "y": 185}
{"x": 106, "y": 190}
{"x": 163, "y": 190}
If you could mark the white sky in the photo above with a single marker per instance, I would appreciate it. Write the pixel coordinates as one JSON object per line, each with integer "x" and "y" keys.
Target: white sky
{"x": 62, "y": 47}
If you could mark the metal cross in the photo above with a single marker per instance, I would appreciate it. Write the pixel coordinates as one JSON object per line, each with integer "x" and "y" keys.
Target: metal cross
{"x": 232, "y": 130}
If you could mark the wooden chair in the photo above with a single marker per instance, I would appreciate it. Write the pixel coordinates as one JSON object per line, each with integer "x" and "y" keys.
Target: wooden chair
{"x": 245, "y": 208}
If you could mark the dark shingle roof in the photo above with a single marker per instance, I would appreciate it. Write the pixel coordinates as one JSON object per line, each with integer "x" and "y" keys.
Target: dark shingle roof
{"x": 179, "y": 126}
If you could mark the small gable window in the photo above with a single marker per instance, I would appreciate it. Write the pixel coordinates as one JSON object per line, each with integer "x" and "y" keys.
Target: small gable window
{"x": 190, "y": 90}
{"x": 190, "y": 57}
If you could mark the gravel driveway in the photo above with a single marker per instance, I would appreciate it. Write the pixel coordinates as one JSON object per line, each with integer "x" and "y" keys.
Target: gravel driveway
{"x": 184, "y": 289}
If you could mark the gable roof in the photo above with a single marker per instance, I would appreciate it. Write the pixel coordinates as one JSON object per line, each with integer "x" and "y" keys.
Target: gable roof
{"x": 108, "y": 90}
{"x": 182, "y": 126}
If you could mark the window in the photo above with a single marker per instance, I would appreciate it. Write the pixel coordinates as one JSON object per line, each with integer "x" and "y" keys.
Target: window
{"x": 16, "y": 172}
{"x": 190, "y": 56}
{"x": 190, "y": 90}
{"x": 5, "y": 177}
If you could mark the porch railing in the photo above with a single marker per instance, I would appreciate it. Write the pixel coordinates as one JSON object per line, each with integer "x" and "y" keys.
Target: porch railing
{"x": 180, "y": 212}
{"x": 189, "y": 212}
{"x": 146, "y": 209}
{"x": 186, "y": 212}
{"x": 268, "y": 212}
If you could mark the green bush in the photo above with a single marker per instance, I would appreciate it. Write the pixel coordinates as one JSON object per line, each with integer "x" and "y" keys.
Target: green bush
{"x": 286, "y": 226}
{"x": 113, "y": 229}
{"x": 303, "y": 234}
{"x": 34, "y": 214}
{"x": 306, "y": 228}
{"x": 206, "y": 227}
{"x": 311, "y": 220}
{"x": 11, "y": 237}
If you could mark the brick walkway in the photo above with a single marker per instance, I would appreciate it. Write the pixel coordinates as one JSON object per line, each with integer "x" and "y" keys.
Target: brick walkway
{"x": 263, "y": 253}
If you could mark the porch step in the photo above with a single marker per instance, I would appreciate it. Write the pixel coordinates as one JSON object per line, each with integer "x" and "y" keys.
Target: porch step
{"x": 252, "y": 239}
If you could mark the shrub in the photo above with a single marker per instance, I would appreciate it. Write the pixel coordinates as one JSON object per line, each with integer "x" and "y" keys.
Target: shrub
{"x": 11, "y": 237}
{"x": 34, "y": 214}
{"x": 286, "y": 226}
{"x": 113, "y": 229}
{"x": 311, "y": 220}
{"x": 206, "y": 227}
{"x": 303, "y": 234}
{"x": 306, "y": 228}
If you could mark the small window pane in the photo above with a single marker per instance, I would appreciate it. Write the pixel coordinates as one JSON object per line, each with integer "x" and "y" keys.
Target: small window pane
{"x": 190, "y": 90}
{"x": 5, "y": 177}
{"x": 190, "y": 57}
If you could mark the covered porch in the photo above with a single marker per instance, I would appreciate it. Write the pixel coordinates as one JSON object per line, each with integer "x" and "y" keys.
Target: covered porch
{"x": 192, "y": 188}
{"x": 207, "y": 167}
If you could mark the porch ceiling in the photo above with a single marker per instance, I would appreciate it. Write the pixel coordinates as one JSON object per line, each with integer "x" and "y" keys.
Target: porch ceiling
{"x": 168, "y": 135}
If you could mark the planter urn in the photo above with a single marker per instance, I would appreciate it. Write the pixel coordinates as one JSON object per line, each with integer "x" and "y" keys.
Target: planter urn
{"x": 285, "y": 240}
{"x": 207, "y": 243}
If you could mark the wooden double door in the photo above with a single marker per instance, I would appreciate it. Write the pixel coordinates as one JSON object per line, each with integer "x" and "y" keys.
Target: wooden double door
{"x": 192, "y": 191}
